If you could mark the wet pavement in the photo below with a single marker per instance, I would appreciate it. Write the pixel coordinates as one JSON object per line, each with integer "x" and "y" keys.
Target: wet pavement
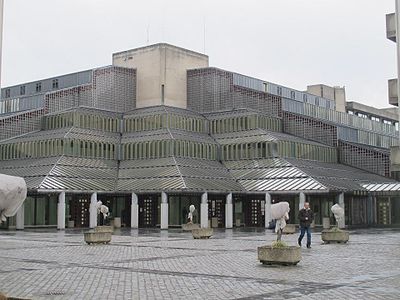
{"x": 154, "y": 264}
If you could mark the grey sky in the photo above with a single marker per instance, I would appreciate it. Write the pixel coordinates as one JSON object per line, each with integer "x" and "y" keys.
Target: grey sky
{"x": 289, "y": 42}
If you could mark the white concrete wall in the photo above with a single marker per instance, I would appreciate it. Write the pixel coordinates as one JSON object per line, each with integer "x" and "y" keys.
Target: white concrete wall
{"x": 158, "y": 65}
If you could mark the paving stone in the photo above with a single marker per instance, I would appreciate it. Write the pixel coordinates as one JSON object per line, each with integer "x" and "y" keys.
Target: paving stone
{"x": 154, "y": 264}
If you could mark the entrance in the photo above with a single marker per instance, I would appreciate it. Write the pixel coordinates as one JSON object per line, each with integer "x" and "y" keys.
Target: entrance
{"x": 79, "y": 210}
{"x": 383, "y": 207}
{"x": 148, "y": 210}
{"x": 250, "y": 210}
{"x": 216, "y": 210}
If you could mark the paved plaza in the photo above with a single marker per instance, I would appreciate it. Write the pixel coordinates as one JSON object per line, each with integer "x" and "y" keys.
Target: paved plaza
{"x": 154, "y": 264}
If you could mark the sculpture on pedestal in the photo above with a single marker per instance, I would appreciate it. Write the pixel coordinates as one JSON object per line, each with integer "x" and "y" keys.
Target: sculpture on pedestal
{"x": 102, "y": 209}
{"x": 13, "y": 192}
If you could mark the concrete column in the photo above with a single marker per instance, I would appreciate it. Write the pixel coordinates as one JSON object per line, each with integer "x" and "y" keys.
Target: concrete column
{"x": 229, "y": 211}
{"x": 302, "y": 200}
{"x": 20, "y": 218}
{"x": 61, "y": 211}
{"x": 342, "y": 223}
{"x": 164, "y": 211}
{"x": 268, "y": 217}
{"x": 93, "y": 211}
{"x": 204, "y": 210}
{"x": 134, "y": 211}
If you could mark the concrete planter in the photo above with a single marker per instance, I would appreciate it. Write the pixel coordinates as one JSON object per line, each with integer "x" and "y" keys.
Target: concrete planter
{"x": 190, "y": 226}
{"x": 289, "y": 229}
{"x": 335, "y": 236}
{"x": 286, "y": 256}
{"x": 202, "y": 233}
{"x": 98, "y": 235}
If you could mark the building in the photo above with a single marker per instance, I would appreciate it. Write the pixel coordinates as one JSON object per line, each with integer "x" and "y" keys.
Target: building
{"x": 160, "y": 130}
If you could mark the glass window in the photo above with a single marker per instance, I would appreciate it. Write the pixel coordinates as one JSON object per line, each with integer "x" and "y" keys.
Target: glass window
{"x": 279, "y": 91}
{"x": 38, "y": 87}
{"x": 55, "y": 84}
{"x": 22, "y": 90}
{"x": 8, "y": 93}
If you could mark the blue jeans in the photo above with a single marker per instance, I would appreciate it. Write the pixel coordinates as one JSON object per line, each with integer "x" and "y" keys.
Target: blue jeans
{"x": 302, "y": 232}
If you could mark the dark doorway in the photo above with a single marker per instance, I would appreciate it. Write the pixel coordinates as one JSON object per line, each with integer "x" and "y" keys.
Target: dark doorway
{"x": 79, "y": 210}
{"x": 148, "y": 210}
{"x": 216, "y": 210}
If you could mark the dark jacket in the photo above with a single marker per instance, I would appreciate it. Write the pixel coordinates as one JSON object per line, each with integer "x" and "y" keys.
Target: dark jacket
{"x": 306, "y": 217}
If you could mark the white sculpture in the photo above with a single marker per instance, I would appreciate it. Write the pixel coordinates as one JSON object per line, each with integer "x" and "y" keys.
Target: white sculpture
{"x": 191, "y": 211}
{"x": 338, "y": 212}
{"x": 102, "y": 209}
{"x": 280, "y": 212}
{"x": 13, "y": 192}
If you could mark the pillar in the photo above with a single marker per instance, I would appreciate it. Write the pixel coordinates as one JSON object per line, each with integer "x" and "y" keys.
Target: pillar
{"x": 229, "y": 211}
{"x": 302, "y": 200}
{"x": 61, "y": 211}
{"x": 164, "y": 211}
{"x": 134, "y": 211}
{"x": 204, "y": 210}
{"x": 93, "y": 211}
{"x": 20, "y": 217}
{"x": 268, "y": 217}
{"x": 342, "y": 223}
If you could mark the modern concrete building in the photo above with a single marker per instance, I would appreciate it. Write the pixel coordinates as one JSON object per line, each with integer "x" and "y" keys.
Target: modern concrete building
{"x": 160, "y": 130}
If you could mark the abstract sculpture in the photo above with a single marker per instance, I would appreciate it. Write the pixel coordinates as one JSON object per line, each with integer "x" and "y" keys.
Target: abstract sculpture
{"x": 13, "y": 192}
{"x": 280, "y": 212}
{"x": 102, "y": 209}
{"x": 338, "y": 212}
{"x": 190, "y": 215}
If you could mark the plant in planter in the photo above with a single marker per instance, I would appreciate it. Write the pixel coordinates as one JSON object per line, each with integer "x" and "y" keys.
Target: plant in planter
{"x": 335, "y": 234}
{"x": 279, "y": 253}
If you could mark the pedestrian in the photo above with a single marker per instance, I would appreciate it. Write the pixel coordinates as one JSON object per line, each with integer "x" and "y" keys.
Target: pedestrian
{"x": 306, "y": 216}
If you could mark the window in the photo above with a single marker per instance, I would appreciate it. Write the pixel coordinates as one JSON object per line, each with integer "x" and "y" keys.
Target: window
{"x": 8, "y": 93}
{"x": 22, "y": 90}
{"x": 361, "y": 115}
{"x": 387, "y": 122}
{"x": 305, "y": 98}
{"x": 279, "y": 90}
{"x": 317, "y": 101}
{"x": 375, "y": 119}
{"x": 38, "y": 87}
{"x": 265, "y": 86}
{"x": 292, "y": 94}
{"x": 55, "y": 83}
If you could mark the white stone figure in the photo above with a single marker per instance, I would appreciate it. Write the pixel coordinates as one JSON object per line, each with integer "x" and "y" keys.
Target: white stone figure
{"x": 338, "y": 212}
{"x": 280, "y": 212}
{"x": 13, "y": 192}
{"x": 102, "y": 209}
{"x": 191, "y": 211}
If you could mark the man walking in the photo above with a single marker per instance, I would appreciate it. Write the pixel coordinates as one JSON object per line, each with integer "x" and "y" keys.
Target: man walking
{"x": 306, "y": 216}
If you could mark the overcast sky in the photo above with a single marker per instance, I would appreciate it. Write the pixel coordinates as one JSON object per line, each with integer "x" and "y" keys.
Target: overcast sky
{"x": 290, "y": 42}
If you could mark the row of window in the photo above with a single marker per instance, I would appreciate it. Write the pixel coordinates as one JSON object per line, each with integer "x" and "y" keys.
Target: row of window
{"x": 55, "y": 147}
{"x": 160, "y": 121}
{"x": 281, "y": 148}
{"x": 307, "y": 151}
{"x": 245, "y": 123}
{"x": 77, "y": 119}
{"x": 249, "y": 151}
{"x": 158, "y": 149}
{"x": 38, "y": 88}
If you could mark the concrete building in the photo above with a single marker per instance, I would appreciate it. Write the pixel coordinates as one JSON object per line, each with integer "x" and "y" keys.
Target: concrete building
{"x": 160, "y": 130}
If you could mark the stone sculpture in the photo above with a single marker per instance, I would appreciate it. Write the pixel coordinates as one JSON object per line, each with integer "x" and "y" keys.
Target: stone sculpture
{"x": 13, "y": 192}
